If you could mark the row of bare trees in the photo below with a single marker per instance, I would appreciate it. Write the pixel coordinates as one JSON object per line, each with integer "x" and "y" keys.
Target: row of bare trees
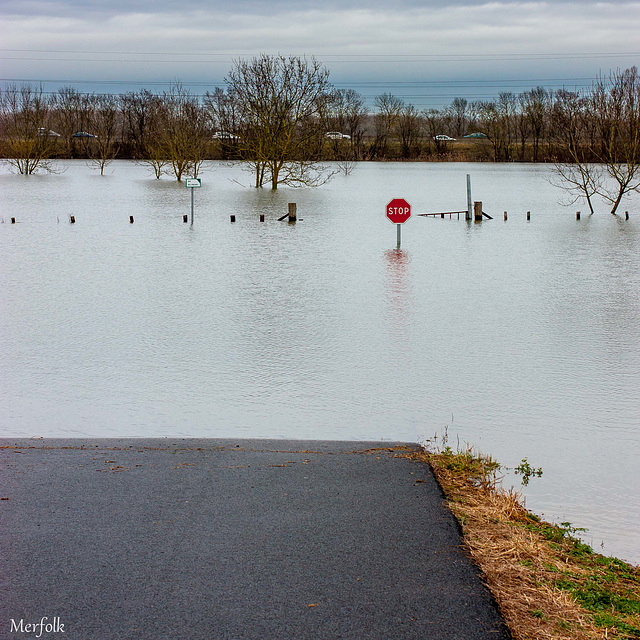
{"x": 166, "y": 132}
{"x": 29, "y": 141}
{"x": 282, "y": 117}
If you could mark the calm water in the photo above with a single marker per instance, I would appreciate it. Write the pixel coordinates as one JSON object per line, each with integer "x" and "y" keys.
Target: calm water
{"x": 521, "y": 337}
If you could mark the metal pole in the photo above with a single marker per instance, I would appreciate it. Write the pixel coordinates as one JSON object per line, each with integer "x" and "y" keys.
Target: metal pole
{"x": 399, "y": 227}
{"x": 469, "y": 205}
{"x": 192, "y": 190}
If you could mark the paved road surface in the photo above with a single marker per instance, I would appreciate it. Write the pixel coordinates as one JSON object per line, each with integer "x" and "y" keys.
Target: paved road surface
{"x": 189, "y": 539}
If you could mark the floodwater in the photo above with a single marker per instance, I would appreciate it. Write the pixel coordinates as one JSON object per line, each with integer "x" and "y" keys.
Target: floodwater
{"x": 518, "y": 337}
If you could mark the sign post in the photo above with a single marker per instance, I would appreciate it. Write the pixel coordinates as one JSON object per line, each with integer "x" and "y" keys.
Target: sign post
{"x": 192, "y": 183}
{"x": 398, "y": 212}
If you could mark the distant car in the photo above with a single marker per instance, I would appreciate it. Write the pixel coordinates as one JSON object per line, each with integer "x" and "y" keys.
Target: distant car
{"x": 44, "y": 132}
{"x": 443, "y": 137}
{"x": 476, "y": 135}
{"x": 82, "y": 134}
{"x": 336, "y": 135}
{"x": 225, "y": 135}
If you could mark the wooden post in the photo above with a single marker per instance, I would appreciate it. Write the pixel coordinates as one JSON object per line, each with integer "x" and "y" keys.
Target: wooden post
{"x": 577, "y": 215}
{"x": 292, "y": 212}
{"x": 505, "y": 216}
{"x": 185, "y": 218}
{"x": 233, "y": 218}
{"x": 442, "y": 215}
{"x": 13, "y": 220}
{"x": 528, "y": 215}
{"x": 131, "y": 219}
{"x": 72, "y": 219}
{"x": 477, "y": 211}
{"x": 626, "y": 215}
{"x": 262, "y": 217}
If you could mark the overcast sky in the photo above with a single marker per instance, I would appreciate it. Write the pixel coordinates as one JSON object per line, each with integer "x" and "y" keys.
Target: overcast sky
{"x": 426, "y": 52}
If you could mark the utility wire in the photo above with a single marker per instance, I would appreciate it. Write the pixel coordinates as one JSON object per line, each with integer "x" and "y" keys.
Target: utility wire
{"x": 356, "y": 57}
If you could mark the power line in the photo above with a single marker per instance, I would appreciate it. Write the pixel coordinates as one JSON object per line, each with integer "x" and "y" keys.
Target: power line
{"x": 343, "y": 83}
{"x": 355, "y": 57}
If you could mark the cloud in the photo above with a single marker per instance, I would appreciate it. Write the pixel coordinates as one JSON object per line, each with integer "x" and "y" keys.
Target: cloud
{"x": 260, "y": 7}
{"x": 416, "y": 39}
{"x": 347, "y": 29}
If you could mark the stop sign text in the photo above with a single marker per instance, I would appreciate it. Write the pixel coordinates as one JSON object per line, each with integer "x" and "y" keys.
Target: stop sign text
{"x": 398, "y": 211}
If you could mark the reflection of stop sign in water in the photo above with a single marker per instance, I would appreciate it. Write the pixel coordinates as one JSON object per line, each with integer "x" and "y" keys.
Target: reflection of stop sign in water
{"x": 398, "y": 211}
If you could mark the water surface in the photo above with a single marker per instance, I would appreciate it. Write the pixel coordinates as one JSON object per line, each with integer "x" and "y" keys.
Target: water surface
{"x": 521, "y": 337}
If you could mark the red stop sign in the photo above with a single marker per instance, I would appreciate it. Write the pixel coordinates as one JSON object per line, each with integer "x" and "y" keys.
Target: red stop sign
{"x": 398, "y": 211}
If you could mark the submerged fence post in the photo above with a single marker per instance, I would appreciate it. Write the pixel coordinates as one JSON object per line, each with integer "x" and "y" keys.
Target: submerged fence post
{"x": 626, "y": 215}
{"x": 293, "y": 216}
{"x": 468, "y": 215}
{"x": 577, "y": 215}
{"x": 528, "y": 215}
{"x": 505, "y": 216}
{"x": 477, "y": 211}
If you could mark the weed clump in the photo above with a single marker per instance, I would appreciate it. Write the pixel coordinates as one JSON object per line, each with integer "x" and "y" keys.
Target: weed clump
{"x": 546, "y": 581}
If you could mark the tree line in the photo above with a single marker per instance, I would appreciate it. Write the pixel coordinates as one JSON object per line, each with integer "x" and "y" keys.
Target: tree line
{"x": 282, "y": 117}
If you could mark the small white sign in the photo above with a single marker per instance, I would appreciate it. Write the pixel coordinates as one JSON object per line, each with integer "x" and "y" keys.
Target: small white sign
{"x": 190, "y": 183}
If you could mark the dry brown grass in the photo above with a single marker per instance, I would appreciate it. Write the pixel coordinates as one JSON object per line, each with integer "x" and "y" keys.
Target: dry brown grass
{"x": 537, "y": 572}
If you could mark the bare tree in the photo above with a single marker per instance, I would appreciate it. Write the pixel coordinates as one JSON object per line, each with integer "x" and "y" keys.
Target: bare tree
{"x": 138, "y": 110}
{"x": 347, "y": 165}
{"x": 281, "y": 102}
{"x": 535, "y": 104}
{"x": 578, "y": 175}
{"x": 581, "y": 181}
{"x": 71, "y": 118}
{"x": 144, "y": 125}
{"x": 507, "y": 106}
{"x": 473, "y": 115}
{"x": 493, "y": 127}
{"x": 224, "y": 118}
{"x": 436, "y": 123}
{"x": 459, "y": 112}
{"x": 615, "y": 102}
{"x": 345, "y": 112}
{"x": 27, "y": 143}
{"x": 409, "y": 128}
{"x": 103, "y": 121}
{"x": 523, "y": 126}
{"x": 600, "y": 138}
{"x": 185, "y": 134}
{"x": 355, "y": 112}
{"x": 385, "y": 120}
{"x": 498, "y": 119}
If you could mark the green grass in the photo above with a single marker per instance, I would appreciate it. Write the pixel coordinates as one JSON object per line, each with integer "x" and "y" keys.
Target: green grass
{"x": 607, "y": 589}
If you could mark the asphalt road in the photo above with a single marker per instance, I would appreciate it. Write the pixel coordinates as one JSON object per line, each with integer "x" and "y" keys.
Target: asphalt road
{"x": 228, "y": 539}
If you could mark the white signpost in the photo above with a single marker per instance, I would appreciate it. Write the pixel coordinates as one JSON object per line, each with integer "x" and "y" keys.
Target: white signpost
{"x": 192, "y": 183}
